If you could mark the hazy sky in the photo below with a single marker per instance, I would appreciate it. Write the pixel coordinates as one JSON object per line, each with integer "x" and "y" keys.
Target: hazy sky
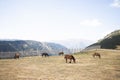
{"x": 46, "y": 20}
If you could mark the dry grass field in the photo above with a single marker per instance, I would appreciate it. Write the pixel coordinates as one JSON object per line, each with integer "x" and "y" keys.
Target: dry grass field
{"x": 55, "y": 68}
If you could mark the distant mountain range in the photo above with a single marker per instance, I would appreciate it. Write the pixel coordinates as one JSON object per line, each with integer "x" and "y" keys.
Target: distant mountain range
{"x": 110, "y": 41}
{"x": 32, "y": 48}
{"x": 29, "y": 48}
{"x": 75, "y": 43}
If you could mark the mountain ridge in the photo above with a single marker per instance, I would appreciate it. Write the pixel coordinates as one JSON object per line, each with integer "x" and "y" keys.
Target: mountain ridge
{"x": 29, "y": 48}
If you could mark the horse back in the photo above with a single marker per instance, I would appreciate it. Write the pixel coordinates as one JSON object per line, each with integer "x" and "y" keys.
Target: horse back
{"x": 45, "y": 54}
{"x": 69, "y": 56}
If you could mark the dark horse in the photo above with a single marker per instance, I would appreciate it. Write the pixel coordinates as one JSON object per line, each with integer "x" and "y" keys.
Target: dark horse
{"x": 61, "y": 53}
{"x": 45, "y": 54}
{"x": 97, "y": 54}
{"x": 71, "y": 57}
{"x": 16, "y": 55}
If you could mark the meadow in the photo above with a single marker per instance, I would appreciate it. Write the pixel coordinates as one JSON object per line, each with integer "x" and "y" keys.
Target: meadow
{"x": 55, "y": 68}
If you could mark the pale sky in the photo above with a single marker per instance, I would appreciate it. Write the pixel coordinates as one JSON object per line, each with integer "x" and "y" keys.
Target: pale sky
{"x": 46, "y": 20}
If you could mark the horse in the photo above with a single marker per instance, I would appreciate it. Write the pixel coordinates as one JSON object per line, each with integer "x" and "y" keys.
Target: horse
{"x": 71, "y": 57}
{"x": 45, "y": 54}
{"x": 16, "y": 55}
{"x": 96, "y": 54}
{"x": 61, "y": 53}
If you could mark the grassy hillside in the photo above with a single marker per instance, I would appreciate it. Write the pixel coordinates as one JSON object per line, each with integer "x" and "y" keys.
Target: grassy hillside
{"x": 55, "y": 68}
{"x": 110, "y": 41}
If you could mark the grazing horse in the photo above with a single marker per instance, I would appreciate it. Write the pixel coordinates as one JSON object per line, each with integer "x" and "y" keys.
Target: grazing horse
{"x": 97, "y": 54}
{"x": 16, "y": 55}
{"x": 61, "y": 53}
{"x": 71, "y": 57}
{"x": 45, "y": 54}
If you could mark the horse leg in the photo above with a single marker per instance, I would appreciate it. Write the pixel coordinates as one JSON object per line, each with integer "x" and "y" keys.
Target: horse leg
{"x": 94, "y": 56}
{"x": 66, "y": 60}
{"x": 70, "y": 60}
{"x": 45, "y": 55}
{"x": 99, "y": 57}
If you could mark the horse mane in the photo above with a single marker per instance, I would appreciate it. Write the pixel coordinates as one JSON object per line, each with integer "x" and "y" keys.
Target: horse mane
{"x": 73, "y": 58}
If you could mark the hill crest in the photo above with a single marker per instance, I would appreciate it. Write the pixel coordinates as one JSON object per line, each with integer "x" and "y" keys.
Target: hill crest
{"x": 110, "y": 41}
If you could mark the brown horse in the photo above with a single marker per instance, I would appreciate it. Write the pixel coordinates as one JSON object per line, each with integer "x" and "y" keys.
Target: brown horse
{"x": 45, "y": 54}
{"x": 71, "y": 57}
{"x": 96, "y": 54}
{"x": 61, "y": 53}
{"x": 16, "y": 55}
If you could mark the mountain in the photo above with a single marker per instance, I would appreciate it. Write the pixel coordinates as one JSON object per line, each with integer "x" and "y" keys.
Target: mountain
{"x": 75, "y": 43}
{"x": 110, "y": 41}
{"x": 29, "y": 48}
